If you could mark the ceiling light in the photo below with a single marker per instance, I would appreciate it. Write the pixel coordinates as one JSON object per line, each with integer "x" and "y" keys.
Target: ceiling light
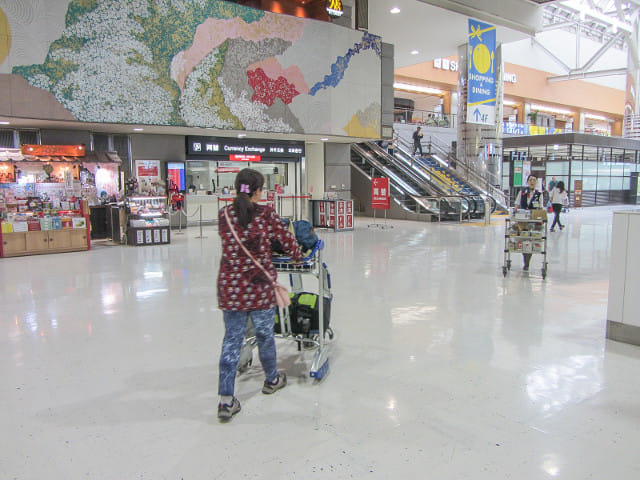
{"x": 414, "y": 52}
{"x": 510, "y": 103}
{"x": 544, "y": 108}
{"x": 4, "y": 123}
{"x": 138, "y": 129}
{"x": 394, "y": 10}
{"x": 596, "y": 117}
{"x": 240, "y": 135}
{"x": 416, "y": 88}
{"x": 324, "y": 139}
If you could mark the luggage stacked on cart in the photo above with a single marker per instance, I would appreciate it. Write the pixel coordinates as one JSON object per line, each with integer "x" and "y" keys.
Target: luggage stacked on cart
{"x": 304, "y": 315}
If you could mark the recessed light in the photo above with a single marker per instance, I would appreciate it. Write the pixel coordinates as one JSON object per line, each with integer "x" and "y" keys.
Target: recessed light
{"x": 414, "y": 52}
{"x": 394, "y": 10}
{"x": 240, "y": 135}
{"x": 4, "y": 123}
{"x": 138, "y": 129}
{"x": 324, "y": 139}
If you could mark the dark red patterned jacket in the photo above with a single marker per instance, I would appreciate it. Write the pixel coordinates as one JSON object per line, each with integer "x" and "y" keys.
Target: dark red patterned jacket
{"x": 242, "y": 285}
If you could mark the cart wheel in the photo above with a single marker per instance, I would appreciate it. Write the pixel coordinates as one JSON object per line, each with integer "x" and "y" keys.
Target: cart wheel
{"x": 329, "y": 332}
{"x": 245, "y": 366}
{"x": 504, "y": 271}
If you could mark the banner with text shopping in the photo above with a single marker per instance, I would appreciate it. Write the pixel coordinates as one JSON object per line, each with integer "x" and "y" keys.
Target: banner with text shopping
{"x": 481, "y": 82}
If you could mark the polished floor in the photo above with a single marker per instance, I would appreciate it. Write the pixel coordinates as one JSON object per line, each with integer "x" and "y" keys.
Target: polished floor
{"x": 440, "y": 368}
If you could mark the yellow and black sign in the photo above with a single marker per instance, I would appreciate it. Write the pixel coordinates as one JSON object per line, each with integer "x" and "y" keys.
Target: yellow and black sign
{"x": 334, "y": 8}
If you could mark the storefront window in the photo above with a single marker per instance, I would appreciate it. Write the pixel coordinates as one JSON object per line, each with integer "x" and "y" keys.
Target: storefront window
{"x": 210, "y": 176}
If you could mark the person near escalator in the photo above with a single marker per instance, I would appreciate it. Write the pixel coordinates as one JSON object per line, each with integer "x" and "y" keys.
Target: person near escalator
{"x": 529, "y": 198}
{"x": 417, "y": 138}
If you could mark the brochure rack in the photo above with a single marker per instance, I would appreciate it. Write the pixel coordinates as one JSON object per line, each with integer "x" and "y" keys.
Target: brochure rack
{"x": 525, "y": 235}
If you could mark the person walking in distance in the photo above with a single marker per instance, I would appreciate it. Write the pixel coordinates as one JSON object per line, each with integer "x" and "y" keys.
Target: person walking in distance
{"x": 529, "y": 198}
{"x": 244, "y": 291}
{"x": 559, "y": 198}
{"x": 417, "y": 139}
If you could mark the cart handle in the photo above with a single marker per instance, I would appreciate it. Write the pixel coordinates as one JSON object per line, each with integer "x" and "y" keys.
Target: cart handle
{"x": 318, "y": 246}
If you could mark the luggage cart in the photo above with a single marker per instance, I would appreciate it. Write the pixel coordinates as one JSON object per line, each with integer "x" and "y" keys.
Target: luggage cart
{"x": 311, "y": 265}
{"x": 525, "y": 235}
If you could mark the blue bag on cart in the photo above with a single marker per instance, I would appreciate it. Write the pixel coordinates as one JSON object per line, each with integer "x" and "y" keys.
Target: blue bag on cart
{"x": 305, "y": 235}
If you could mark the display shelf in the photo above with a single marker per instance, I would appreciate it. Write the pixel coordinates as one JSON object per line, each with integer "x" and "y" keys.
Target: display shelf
{"x": 44, "y": 241}
{"x": 148, "y": 220}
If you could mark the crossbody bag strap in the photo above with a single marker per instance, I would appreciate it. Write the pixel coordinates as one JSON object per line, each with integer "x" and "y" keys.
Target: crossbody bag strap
{"x": 235, "y": 235}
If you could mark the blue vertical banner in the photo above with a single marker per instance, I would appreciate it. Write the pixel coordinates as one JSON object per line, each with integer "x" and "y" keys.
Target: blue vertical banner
{"x": 481, "y": 92}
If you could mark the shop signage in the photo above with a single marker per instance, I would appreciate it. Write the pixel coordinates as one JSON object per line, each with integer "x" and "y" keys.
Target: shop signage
{"x": 228, "y": 147}
{"x": 445, "y": 64}
{"x": 54, "y": 150}
{"x": 380, "y": 194}
{"x": 334, "y": 8}
{"x": 577, "y": 193}
{"x": 481, "y": 82}
{"x": 148, "y": 168}
{"x": 244, "y": 158}
{"x": 452, "y": 65}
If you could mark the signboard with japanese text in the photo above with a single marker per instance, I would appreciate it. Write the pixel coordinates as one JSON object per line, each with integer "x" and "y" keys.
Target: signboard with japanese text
{"x": 481, "y": 80}
{"x": 380, "y": 194}
{"x": 254, "y": 149}
{"x": 234, "y": 157}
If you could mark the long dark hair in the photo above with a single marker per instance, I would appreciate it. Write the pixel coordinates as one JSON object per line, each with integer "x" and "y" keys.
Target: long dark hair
{"x": 560, "y": 186}
{"x": 247, "y": 182}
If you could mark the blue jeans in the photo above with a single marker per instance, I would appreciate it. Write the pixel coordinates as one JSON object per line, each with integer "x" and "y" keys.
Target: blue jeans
{"x": 235, "y": 325}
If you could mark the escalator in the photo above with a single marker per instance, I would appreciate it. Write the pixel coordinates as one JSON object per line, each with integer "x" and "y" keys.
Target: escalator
{"x": 412, "y": 188}
{"x": 439, "y": 162}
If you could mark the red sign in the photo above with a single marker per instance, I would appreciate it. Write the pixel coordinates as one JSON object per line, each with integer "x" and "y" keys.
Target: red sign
{"x": 245, "y": 158}
{"x": 380, "y": 194}
{"x": 147, "y": 171}
{"x": 227, "y": 169}
{"x": 54, "y": 150}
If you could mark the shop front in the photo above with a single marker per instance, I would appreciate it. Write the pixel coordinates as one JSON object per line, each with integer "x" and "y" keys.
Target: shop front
{"x": 46, "y": 196}
{"x": 596, "y": 170}
{"x": 212, "y": 164}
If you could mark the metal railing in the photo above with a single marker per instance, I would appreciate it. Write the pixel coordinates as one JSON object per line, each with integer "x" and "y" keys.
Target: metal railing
{"x": 485, "y": 185}
{"x": 424, "y": 117}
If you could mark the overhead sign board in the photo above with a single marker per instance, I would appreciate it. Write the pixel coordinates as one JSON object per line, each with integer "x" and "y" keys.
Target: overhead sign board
{"x": 481, "y": 80}
{"x": 217, "y": 147}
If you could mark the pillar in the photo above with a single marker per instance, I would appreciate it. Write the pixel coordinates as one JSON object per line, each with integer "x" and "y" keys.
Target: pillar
{"x": 480, "y": 146}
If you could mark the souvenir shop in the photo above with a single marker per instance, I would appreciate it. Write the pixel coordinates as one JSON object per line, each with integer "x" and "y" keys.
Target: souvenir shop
{"x": 46, "y": 196}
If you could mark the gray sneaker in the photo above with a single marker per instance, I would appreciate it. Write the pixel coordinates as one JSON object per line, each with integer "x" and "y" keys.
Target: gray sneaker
{"x": 226, "y": 411}
{"x": 280, "y": 382}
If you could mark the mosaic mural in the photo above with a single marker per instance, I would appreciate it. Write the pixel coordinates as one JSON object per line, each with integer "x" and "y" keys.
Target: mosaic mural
{"x": 208, "y": 63}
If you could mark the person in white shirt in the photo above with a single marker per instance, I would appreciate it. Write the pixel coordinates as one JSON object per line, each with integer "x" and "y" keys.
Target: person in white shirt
{"x": 558, "y": 199}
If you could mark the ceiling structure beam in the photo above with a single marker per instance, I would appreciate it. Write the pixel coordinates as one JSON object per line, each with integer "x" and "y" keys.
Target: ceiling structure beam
{"x": 582, "y": 75}
{"x": 518, "y": 15}
{"x": 550, "y": 54}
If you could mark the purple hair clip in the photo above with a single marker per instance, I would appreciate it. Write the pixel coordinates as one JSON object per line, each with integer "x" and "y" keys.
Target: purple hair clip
{"x": 244, "y": 188}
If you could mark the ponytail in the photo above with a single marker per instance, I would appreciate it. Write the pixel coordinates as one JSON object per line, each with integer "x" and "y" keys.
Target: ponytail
{"x": 247, "y": 182}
